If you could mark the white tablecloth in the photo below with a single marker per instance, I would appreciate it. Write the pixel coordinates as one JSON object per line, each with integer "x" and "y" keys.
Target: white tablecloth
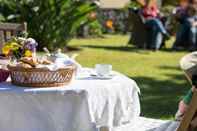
{"x": 106, "y": 103}
{"x": 148, "y": 124}
{"x": 48, "y": 111}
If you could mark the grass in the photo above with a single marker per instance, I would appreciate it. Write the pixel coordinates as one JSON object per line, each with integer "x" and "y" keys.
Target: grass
{"x": 158, "y": 75}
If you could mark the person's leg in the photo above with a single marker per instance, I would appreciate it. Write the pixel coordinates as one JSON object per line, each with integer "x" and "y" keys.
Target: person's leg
{"x": 150, "y": 32}
{"x": 155, "y": 35}
{"x": 192, "y": 38}
{"x": 157, "y": 40}
{"x": 160, "y": 26}
{"x": 181, "y": 35}
{"x": 149, "y": 38}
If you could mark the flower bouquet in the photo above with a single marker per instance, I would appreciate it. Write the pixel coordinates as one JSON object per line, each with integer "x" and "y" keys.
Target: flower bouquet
{"x": 14, "y": 50}
{"x": 19, "y": 47}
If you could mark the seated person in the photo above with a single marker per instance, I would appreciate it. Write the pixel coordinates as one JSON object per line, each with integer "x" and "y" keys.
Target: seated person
{"x": 181, "y": 15}
{"x": 189, "y": 65}
{"x": 186, "y": 34}
{"x": 192, "y": 24}
{"x": 151, "y": 14}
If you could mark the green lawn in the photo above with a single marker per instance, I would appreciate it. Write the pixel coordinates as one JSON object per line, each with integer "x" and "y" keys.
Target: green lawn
{"x": 158, "y": 75}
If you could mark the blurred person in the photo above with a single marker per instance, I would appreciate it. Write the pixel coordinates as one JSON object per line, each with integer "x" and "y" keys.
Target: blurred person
{"x": 192, "y": 24}
{"x": 181, "y": 15}
{"x": 186, "y": 14}
{"x": 181, "y": 10}
{"x": 151, "y": 14}
{"x": 188, "y": 64}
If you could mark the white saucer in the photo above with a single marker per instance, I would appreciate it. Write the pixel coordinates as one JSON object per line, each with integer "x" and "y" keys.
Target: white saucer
{"x": 102, "y": 77}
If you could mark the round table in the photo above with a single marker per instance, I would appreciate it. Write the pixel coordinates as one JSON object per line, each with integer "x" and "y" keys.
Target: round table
{"x": 108, "y": 103}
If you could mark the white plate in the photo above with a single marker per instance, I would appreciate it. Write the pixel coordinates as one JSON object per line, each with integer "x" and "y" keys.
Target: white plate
{"x": 105, "y": 77}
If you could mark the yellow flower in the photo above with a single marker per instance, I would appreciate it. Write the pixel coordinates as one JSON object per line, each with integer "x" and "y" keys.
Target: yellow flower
{"x": 6, "y": 50}
{"x": 9, "y": 46}
{"x": 14, "y": 45}
{"x": 28, "y": 53}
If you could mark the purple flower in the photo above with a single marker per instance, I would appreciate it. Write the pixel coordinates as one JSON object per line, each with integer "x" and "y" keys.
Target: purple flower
{"x": 30, "y": 44}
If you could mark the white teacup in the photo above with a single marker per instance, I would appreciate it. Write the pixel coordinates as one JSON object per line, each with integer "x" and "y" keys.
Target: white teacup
{"x": 103, "y": 69}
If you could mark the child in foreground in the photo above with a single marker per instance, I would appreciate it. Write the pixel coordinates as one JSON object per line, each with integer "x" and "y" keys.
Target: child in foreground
{"x": 189, "y": 65}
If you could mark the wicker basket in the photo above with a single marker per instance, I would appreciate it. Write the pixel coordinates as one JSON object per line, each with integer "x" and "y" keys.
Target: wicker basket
{"x": 39, "y": 77}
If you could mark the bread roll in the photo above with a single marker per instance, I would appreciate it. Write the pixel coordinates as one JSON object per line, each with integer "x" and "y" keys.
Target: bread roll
{"x": 23, "y": 65}
{"x": 29, "y": 61}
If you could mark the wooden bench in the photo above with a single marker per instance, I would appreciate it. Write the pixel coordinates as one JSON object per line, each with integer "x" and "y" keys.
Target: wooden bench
{"x": 7, "y": 30}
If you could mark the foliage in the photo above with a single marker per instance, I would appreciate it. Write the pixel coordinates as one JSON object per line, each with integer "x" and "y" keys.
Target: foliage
{"x": 95, "y": 28}
{"x": 91, "y": 29}
{"x": 52, "y": 22}
{"x": 134, "y": 4}
{"x": 170, "y": 2}
{"x": 171, "y": 22}
{"x": 1, "y": 17}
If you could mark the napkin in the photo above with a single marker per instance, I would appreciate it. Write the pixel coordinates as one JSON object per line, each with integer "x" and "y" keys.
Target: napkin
{"x": 61, "y": 63}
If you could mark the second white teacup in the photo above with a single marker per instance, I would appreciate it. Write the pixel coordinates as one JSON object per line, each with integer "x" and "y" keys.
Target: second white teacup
{"x": 103, "y": 69}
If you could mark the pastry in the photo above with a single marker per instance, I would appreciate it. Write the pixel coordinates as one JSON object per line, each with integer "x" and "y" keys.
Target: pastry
{"x": 23, "y": 65}
{"x": 47, "y": 62}
{"x": 29, "y": 61}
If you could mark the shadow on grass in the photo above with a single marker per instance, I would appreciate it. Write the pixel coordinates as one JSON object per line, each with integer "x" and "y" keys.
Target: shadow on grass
{"x": 127, "y": 48}
{"x": 160, "y": 98}
{"x": 73, "y": 48}
{"x": 116, "y": 48}
{"x": 170, "y": 67}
